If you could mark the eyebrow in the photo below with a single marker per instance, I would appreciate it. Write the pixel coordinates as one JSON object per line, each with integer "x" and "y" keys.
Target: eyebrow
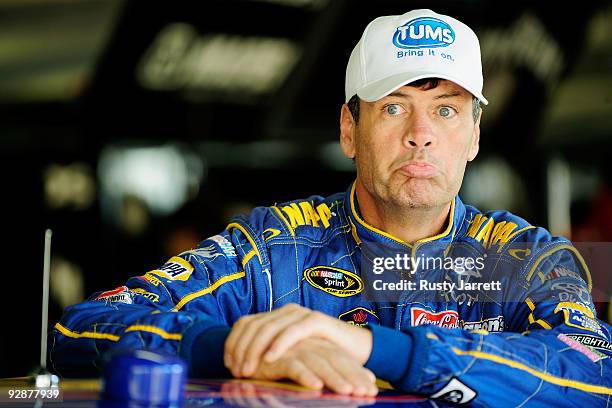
{"x": 448, "y": 95}
{"x": 441, "y": 96}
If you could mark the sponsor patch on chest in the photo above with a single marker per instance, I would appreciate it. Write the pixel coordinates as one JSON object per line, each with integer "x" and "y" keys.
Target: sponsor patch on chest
{"x": 493, "y": 324}
{"x": 447, "y": 318}
{"x": 359, "y": 316}
{"x": 335, "y": 281}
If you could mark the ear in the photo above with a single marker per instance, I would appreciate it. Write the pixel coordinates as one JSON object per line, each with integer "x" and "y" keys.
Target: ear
{"x": 475, "y": 139}
{"x": 347, "y": 132}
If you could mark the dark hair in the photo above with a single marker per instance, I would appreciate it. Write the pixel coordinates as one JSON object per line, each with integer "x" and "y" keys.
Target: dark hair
{"x": 424, "y": 84}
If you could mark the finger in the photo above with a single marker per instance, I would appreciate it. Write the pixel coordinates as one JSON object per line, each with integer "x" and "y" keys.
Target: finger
{"x": 265, "y": 335}
{"x": 362, "y": 380}
{"x": 239, "y": 338}
{"x": 332, "y": 379}
{"x": 315, "y": 323}
{"x": 232, "y": 339}
{"x": 263, "y": 325}
{"x": 371, "y": 375}
{"x": 297, "y": 371}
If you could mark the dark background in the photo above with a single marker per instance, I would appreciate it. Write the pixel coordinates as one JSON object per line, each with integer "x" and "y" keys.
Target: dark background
{"x": 100, "y": 99}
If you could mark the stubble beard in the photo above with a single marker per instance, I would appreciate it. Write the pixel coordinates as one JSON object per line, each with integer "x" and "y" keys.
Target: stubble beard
{"x": 408, "y": 193}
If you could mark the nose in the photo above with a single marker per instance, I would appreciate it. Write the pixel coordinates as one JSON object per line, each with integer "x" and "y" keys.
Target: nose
{"x": 419, "y": 132}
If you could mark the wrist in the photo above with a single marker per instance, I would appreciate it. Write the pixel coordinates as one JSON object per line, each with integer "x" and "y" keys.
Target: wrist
{"x": 361, "y": 345}
{"x": 202, "y": 348}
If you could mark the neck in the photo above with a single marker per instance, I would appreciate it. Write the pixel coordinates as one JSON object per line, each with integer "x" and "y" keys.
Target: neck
{"x": 408, "y": 224}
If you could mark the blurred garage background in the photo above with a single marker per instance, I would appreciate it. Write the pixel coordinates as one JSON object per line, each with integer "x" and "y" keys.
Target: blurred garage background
{"x": 134, "y": 129}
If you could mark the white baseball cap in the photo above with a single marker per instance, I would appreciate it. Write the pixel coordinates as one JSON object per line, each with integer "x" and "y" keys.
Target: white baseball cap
{"x": 397, "y": 50}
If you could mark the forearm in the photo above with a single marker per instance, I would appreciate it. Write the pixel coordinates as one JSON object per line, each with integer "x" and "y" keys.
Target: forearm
{"x": 90, "y": 329}
{"x": 535, "y": 367}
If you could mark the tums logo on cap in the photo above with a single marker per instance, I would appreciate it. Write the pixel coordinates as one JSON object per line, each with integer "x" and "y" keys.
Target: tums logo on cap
{"x": 424, "y": 32}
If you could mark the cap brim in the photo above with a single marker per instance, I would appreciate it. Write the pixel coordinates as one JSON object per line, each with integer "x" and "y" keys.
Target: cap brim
{"x": 384, "y": 87}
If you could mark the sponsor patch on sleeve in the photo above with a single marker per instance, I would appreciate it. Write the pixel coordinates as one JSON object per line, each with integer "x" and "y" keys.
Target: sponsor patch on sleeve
{"x": 153, "y": 297}
{"x": 359, "y": 316}
{"x": 577, "y": 307}
{"x": 225, "y": 245}
{"x": 336, "y": 282}
{"x": 579, "y": 347}
{"x": 593, "y": 342}
{"x": 562, "y": 272}
{"x": 209, "y": 251}
{"x": 118, "y": 295}
{"x": 456, "y": 392}
{"x": 579, "y": 316}
{"x": 175, "y": 269}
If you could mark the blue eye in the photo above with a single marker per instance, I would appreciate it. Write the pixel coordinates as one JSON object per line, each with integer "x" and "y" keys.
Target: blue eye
{"x": 446, "y": 112}
{"x": 393, "y": 109}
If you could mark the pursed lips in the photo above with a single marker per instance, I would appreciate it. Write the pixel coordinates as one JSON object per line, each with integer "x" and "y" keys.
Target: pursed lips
{"x": 419, "y": 169}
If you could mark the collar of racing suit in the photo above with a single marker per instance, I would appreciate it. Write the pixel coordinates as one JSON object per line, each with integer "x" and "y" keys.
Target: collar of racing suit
{"x": 364, "y": 232}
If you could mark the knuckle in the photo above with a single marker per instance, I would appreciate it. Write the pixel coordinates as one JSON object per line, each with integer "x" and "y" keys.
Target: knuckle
{"x": 266, "y": 330}
{"x": 292, "y": 306}
{"x": 290, "y": 332}
{"x": 317, "y": 317}
{"x": 241, "y": 322}
{"x": 315, "y": 314}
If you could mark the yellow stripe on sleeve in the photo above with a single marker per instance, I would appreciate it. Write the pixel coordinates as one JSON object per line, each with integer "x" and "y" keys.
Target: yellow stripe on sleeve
{"x": 86, "y": 334}
{"x": 152, "y": 329}
{"x": 248, "y": 237}
{"x": 248, "y": 257}
{"x": 206, "y": 291}
{"x": 562, "y": 382}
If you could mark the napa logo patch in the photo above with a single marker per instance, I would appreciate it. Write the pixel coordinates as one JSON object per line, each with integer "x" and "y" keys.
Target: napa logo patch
{"x": 359, "y": 316}
{"x": 424, "y": 32}
{"x": 334, "y": 281}
{"x": 175, "y": 269}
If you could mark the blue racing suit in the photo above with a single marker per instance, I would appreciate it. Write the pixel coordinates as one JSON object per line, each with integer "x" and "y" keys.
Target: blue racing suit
{"x": 534, "y": 340}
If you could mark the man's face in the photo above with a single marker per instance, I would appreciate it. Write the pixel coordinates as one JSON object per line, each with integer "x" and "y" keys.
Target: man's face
{"x": 411, "y": 147}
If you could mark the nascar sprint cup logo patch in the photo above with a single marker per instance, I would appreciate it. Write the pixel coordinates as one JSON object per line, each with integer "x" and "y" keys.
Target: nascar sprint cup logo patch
{"x": 424, "y": 32}
{"x": 334, "y": 281}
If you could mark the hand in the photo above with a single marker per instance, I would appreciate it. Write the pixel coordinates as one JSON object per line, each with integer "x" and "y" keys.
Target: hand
{"x": 318, "y": 363}
{"x": 276, "y": 332}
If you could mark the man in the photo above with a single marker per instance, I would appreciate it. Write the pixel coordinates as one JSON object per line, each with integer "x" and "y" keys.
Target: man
{"x": 271, "y": 296}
